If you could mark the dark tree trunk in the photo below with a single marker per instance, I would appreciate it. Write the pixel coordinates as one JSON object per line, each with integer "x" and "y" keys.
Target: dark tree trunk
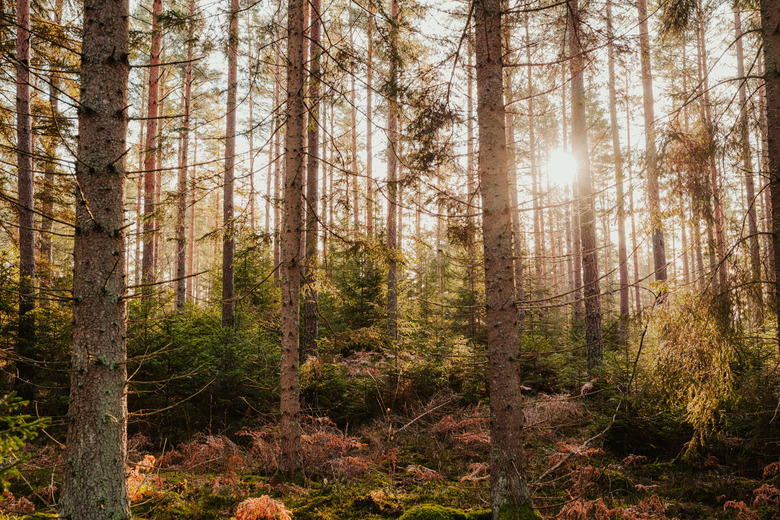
{"x": 310, "y": 315}
{"x": 392, "y": 180}
{"x": 181, "y": 239}
{"x": 229, "y": 239}
{"x": 585, "y": 198}
{"x": 94, "y": 485}
{"x": 770, "y": 21}
{"x": 24, "y": 168}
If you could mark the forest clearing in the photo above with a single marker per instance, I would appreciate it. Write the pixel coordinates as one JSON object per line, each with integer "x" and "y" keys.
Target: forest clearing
{"x": 390, "y": 259}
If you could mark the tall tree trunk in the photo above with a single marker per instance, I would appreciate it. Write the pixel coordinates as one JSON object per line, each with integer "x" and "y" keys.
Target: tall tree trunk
{"x": 94, "y": 484}
{"x": 471, "y": 188}
{"x": 392, "y": 179}
{"x": 750, "y": 190}
{"x": 191, "y": 268}
{"x": 150, "y": 157}
{"x": 24, "y": 166}
{"x": 587, "y": 217}
{"x": 509, "y": 493}
{"x": 277, "y": 171}
{"x": 310, "y": 315}
{"x": 290, "y": 461}
{"x": 181, "y": 239}
{"x": 369, "y": 124}
{"x": 770, "y": 20}
{"x": 651, "y": 154}
{"x": 50, "y": 165}
{"x": 621, "y": 207}
{"x": 353, "y": 154}
{"x": 634, "y": 247}
{"x": 229, "y": 239}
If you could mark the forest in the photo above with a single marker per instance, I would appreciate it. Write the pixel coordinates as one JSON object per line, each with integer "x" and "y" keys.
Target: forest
{"x": 390, "y": 259}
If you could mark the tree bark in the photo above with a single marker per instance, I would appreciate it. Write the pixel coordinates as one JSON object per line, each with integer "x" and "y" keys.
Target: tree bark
{"x": 26, "y": 216}
{"x": 750, "y": 190}
{"x": 621, "y": 206}
{"x": 770, "y": 21}
{"x": 94, "y": 485}
{"x": 181, "y": 238}
{"x": 651, "y": 154}
{"x": 310, "y": 315}
{"x": 151, "y": 152}
{"x": 585, "y": 198}
{"x": 369, "y": 124}
{"x": 229, "y": 239}
{"x": 392, "y": 180}
{"x": 290, "y": 461}
{"x": 509, "y": 493}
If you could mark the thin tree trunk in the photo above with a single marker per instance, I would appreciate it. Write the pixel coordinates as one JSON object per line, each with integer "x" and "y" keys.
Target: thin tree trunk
{"x": 310, "y": 316}
{"x": 94, "y": 484}
{"x": 181, "y": 238}
{"x": 392, "y": 180}
{"x": 579, "y": 137}
{"x": 509, "y": 494}
{"x": 229, "y": 239}
{"x": 651, "y": 154}
{"x": 150, "y": 158}
{"x": 277, "y": 172}
{"x": 290, "y": 442}
{"x": 471, "y": 188}
{"x": 750, "y": 190}
{"x": 24, "y": 165}
{"x": 621, "y": 207}
{"x": 369, "y": 125}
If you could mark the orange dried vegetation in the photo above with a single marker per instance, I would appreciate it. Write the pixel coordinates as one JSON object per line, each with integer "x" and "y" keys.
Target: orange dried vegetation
{"x": 262, "y": 508}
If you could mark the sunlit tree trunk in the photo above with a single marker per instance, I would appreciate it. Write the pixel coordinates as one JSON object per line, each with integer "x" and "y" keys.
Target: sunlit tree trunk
{"x": 310, "y": 316}
{"x": 290, "y": 443}
{"x": 618, "y": 157}
{"x": 587, "y": 218}
{"x": 750, "y": 190}
{"x": 94, "y": 484}
{"x": 651, "y": 154}
{"x": 509, "y": 493}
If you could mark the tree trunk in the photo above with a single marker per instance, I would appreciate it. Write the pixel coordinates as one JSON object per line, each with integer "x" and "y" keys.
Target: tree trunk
{"x": 471, "y": 188}
{"x": 150, "y": 157}
{"x": 579, "y": 138}
{"x": 509, "y": 493}
{"x": 750, "y": 190}
{"x": 651, "y": 154}
{"x": 277, "y": 172}
{"x": 290, "y": 443}
{"x": 229, "y": 239}
{"x": 369, "y": 125}
{"x": 94, "y": 485}
{"x": 621, "y": 207}
{"x": 181, "y": 239}
{"x": 392, "y": 180}
{"x": 24, "y": 154}
{"x": 310, "y": 315}
{"x": 770, "y": 20}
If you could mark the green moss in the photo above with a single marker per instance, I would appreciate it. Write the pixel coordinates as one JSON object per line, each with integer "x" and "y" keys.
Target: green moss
{"x": 524, "y": 511}
{"x": 480, "y": 514}
{"x": 433, "y": 512}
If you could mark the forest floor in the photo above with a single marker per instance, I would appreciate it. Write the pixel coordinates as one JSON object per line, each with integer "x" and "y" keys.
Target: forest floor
{"x": 431, "y": 464}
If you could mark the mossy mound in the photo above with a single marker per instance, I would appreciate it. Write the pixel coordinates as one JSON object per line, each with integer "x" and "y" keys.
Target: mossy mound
{"x": 433, "y": 512}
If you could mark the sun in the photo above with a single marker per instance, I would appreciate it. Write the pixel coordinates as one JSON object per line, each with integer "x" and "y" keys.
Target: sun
{"x": 561, "y": 168}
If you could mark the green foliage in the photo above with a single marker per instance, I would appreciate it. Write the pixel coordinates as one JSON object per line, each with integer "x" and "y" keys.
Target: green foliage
{"x": 15, "y": 430}
{"x": 694, "y": 367}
